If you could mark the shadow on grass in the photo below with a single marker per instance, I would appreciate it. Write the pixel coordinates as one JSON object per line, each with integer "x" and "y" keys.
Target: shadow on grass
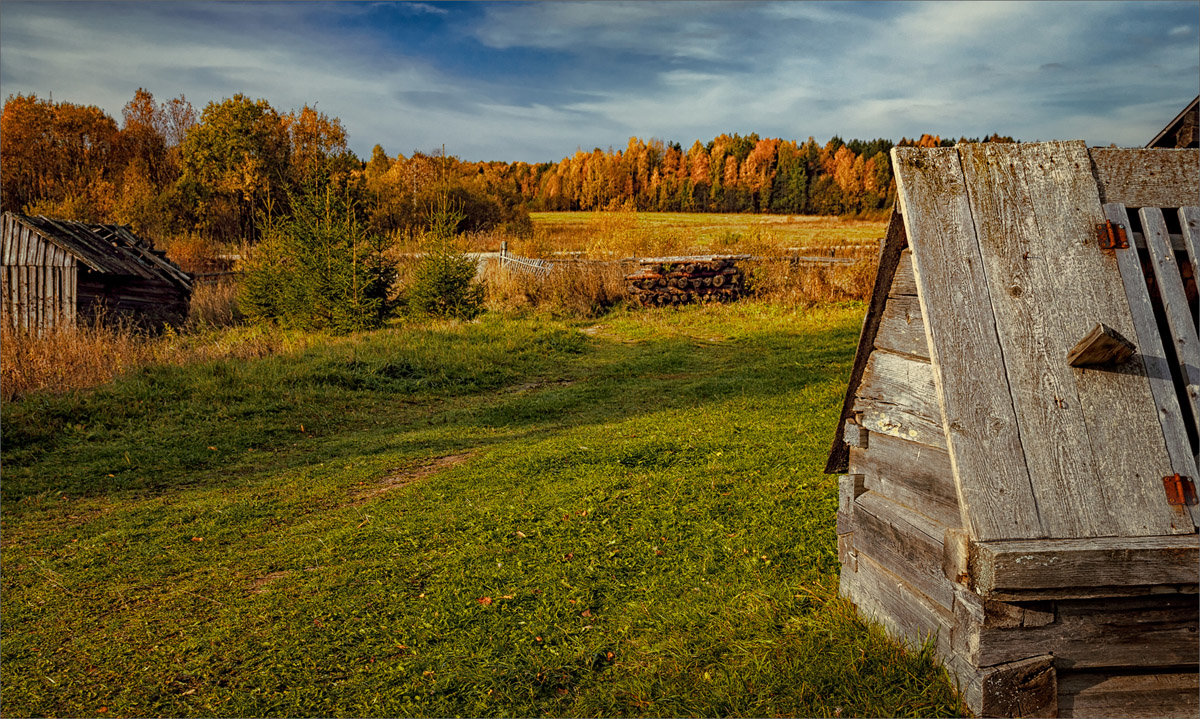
{"x": 228, "y": 422}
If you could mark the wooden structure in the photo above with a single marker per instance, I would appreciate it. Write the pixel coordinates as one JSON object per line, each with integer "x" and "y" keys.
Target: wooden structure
{"x": 1183, "y": 131}
{"x": 1017, "y": 485}
{"x": 682, "y": 280}
{"x": 58, "y": 271}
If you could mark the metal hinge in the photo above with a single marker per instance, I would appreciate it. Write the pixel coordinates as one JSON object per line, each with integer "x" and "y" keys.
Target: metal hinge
{"x": 1180, "y": 490}
{"x": 1112, "y": 237}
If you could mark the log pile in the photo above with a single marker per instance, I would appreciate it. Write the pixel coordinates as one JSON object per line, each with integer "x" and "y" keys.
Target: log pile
{"x": 682, "y": 280}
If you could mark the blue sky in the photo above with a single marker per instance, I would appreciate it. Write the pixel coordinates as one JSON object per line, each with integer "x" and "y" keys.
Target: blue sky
{"x": 536, "y": 81}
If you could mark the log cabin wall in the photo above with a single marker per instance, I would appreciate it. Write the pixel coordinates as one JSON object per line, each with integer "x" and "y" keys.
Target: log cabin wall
{"x": 39, "y": 279}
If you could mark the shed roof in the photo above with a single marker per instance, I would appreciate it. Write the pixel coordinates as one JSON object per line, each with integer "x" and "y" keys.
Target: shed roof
{"x": 1183, "y": 131}
{"x": 108, "y": 249}
{"x": 1010, "y": 278}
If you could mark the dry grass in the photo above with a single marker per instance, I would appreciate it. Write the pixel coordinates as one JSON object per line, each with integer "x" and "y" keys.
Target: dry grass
{"x": 73, "y": 358}
{"x": 214, "y": 304}
{"x": 574, "y": 289}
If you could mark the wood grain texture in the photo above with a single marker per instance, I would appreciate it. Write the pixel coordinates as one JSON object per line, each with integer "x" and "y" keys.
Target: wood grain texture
{"x": 1189, "y": 222}
{"x": 1147, "y": 177}
{"x": 904, "y": 284}
{"x": 1102, "y": 346}
{"x": 917, "y": 476}
{"x": 996, "y": 496}
{"x": 889, "y": 257}
{"x": 1150, "y": 631}
{"x": 907, "y": 544}
{"x": 897, "y": 398}
{"x": 1111, "y": 694}
{"x": 850, "y": 486}
{"x": 906, "y": 614}
{"x": 1154, "y": 358}
{"x": 1093, "y": 470}
{"x": 902, "y": 329}
{"x": 1109, "y": 561}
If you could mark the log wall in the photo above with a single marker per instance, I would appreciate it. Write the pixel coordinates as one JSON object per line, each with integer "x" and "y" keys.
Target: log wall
{"x": 39, "y": 280}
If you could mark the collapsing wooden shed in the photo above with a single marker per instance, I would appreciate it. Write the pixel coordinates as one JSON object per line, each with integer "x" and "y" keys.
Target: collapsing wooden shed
{"x": 1019, "y": 437}
{"x": 58, "y": 271}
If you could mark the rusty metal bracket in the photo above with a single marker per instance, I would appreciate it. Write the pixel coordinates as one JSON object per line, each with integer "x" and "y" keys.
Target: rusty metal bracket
{"x": 1180, "y": 490}
{"x": 1112, "y": 237}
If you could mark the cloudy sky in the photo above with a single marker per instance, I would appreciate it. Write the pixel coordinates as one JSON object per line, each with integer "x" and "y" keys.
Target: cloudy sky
{"x": 537, "y": 81}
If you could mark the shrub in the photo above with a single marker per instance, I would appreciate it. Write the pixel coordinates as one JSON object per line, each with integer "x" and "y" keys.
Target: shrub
{"x": 443, "y": 284}
{"x": 317, "y": 269}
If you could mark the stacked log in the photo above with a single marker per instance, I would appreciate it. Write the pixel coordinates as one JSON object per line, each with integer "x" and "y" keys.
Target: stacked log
{"x": 679, "y": 281}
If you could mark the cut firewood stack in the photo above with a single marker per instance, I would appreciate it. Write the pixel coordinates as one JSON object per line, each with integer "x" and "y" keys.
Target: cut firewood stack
{"x": 682, "y": 280}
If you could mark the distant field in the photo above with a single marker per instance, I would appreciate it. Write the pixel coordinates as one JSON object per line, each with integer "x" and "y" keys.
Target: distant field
{"x": 617, "y": 232}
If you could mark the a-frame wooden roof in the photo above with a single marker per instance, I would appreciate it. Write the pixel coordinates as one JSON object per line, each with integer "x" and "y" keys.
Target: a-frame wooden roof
{"x": 1010, "y": 277}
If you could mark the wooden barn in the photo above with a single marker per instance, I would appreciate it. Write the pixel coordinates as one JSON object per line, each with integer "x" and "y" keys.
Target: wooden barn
{"x": 1018, "y": 443}
{"x": 58, "y": 271}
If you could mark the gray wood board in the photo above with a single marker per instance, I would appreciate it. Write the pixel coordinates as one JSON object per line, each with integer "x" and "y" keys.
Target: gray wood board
{"x": 907, "y": 544}
{"x": 889, "y": 257}
{"x": 902, "y": 329}
{"x": 1151, "y": 631}
{"x": 1110, "y": 561}
{"x": 915, "y": 475}
{"x": 904, "y": 283}
{"x": 1147, "y": 177}
{"x": 1154, "y": 358}
{"x": 897, "y": 398}
{"x": 972, "y": 386}
{"x": 1094, "y": 471}
{"x": 906, "y": 614}
{"x": 1109, "y": 694}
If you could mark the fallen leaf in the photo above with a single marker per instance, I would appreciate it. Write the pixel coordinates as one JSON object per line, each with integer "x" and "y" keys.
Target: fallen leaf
{"x": 586, "y": 613}
{"x": 213, "y": 449}
{"x": 521, "y": 534}
{"x": 485, "y": 601}
{"x": 301, "y": 428}
{"x": 197, "y": 539}
{"x": 507, "y": 596}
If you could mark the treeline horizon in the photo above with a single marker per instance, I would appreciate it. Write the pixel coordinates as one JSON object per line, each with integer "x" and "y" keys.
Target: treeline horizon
{"x": 168, "y": 170}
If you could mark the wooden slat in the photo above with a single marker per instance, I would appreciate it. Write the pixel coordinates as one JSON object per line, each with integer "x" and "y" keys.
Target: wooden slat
{"x": 915, "y": 475}
{"x": 907, "y": 544}
{"x": 1189, "y": 221}
{"x": 897, "y": 397}
{"x": 1150, "y": 631}
{"x": 1062, "y": 563}
{"x": 1154, "y": 358}
{"x": 996, "y": 496}
{"x": 884, "y": 597}
{"x": 1095, "y": 472}
{"x": 902, "y": 329}
{"x": 1024, "y": 688}
{"x": 904, "y": 282}
{"x": 1147, "y": 178}
{"x": 1174, "y": 301}
{"x": 889, "y": 257}
{"x": 1108, "y": 694}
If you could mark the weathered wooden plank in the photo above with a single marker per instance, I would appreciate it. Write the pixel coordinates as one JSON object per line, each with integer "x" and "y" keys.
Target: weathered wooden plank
{"x": 1108, "y": 694}
{"x": 850, "y": 486}
{"x": 915, "y": 475}
{"x": 1025, "y": 688}
{"x": 905, "y": 613}
{"x": 1154, "y": 358}
{"x": 1147, "y": 177}
{"x": 907, "y": 544}
{"x": 1189, "y": 222}
{"x": 856, "y": 435}
{"x": 1094, "y": 471}
{"x": 1102, "y": 346}
{"x": 896, "y": 397}
{"x": 980, "y": 426}
{"x": 904, "y": 284}
{"x": 1150, "y": 631}
{"x": 1106, "y": 561}
{"x": 902, "y": 329}
{"x": 1174, "y": 300}
{"x": 889, "y": 257}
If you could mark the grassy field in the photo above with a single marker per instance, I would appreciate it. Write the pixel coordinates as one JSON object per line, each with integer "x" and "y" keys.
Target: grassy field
{"x": 517, "y": 516}
{"x": 654, "y": 233}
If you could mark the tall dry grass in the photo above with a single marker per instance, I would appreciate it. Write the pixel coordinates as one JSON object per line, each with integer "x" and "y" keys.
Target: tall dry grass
{"x": 573, "y": 289}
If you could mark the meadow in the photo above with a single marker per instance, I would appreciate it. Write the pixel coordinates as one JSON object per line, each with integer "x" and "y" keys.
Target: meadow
{"x": 555, "y": 509}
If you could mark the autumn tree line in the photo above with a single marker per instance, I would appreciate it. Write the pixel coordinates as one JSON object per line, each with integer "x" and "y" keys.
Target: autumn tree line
{"x": 224, "y": 172}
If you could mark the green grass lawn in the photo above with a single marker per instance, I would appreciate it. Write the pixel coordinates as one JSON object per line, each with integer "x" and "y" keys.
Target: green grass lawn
{"x": 517, "y": 516}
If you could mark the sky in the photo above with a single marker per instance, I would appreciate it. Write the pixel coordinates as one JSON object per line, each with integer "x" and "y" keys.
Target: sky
{"x": 536, "y": 82}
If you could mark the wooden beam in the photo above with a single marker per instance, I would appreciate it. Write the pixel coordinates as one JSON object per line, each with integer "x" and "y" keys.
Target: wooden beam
{"x": 915, "y": 475}
{"x": 1064, "y": 563}
{"x": 1147, "y": 177}
{"x": 1102, "y": 346}
{"x": 960, "y": 325}
{"x": 902, "y": 329}
{"x": 1157, "y": 695}
{"x": 907, "y": 544}
{"x": 1023, "y": 688}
